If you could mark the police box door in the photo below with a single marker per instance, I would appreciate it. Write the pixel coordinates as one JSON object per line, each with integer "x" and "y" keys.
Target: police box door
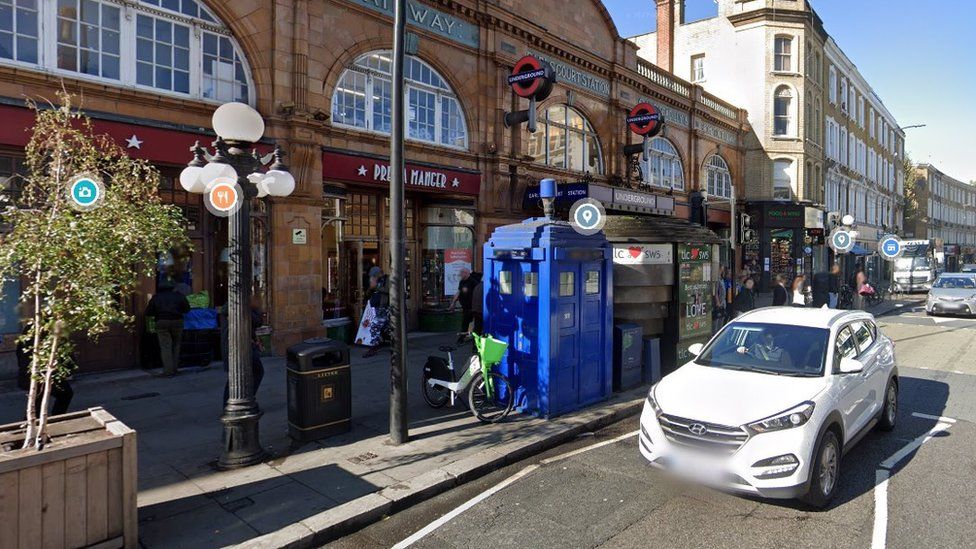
{"x": 578, "y": 376}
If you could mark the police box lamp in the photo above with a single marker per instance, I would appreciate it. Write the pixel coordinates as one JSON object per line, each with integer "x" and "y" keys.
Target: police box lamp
{"x": 531, "y": 78}
{"x": 239, "y": 126}
{"x": 646, "y": 121}
{"x": 547, "y": 193}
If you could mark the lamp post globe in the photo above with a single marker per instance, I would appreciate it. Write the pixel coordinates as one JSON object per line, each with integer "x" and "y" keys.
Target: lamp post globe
{"x": 190, "y": 179}
{"x": 238, "y": 122}
{"x": 280, "y": 183}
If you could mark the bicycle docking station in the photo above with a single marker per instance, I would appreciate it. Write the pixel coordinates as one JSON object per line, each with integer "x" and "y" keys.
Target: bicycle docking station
{"x": 549, "y": 295}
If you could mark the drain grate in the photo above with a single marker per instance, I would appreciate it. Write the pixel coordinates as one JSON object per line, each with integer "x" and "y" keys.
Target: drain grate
{"x": 363, "y": 457}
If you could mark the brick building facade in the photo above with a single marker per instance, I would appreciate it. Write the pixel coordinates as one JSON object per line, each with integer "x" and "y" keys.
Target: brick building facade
{"x": 318, "y": 74}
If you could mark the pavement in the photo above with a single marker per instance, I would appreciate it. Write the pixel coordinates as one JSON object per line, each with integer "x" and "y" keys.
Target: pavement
{"x": 305, "y": 494}
{"x": 598, "y": 491}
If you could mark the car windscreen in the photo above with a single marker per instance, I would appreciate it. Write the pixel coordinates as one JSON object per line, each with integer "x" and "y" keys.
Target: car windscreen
{"x": 768, "y": 348}
{"x": 912, "y": 263}
{"x": 956, "y": 282}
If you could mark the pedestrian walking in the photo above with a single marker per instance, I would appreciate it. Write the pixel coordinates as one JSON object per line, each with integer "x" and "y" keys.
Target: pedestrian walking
{"x": 821, "y": 289}
{"x": 860, "y": 280}
{"x": 780, "y": 295}
{"x": 378, "y": 297}
{"x": 167, "y": 308}
{"x": 745, "y": 300}
{"x": 833, "y": 295}
{"x": 799, "y": 291}
{"x": 466, "y": 292}
{"x": 719, "y": 301}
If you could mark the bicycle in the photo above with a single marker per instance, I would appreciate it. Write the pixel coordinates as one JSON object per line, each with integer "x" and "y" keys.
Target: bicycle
{"x": 490, "y": 395}
{"x": 878, "y": 297}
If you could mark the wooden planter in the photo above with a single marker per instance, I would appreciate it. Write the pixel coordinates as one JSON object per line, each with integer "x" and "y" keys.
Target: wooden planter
{"x": 79, "y": 491}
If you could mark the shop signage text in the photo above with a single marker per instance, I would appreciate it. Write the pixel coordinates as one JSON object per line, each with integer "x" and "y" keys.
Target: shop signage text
{"x": 566, "y": 74}
{"x": 785, "y": 216}
{"x": 363, "y": 169}
{"x": 643, "y": 254}
{"x": 429, "y": 19}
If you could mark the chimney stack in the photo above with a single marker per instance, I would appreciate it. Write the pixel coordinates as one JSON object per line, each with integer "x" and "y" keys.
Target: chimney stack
{"x": 665, "y": 34}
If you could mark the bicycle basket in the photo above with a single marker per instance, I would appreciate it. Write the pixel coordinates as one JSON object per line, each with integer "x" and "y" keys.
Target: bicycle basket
{"x": 490, "y": 350}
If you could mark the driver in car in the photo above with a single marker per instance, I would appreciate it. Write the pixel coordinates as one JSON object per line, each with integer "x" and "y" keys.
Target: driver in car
{"x": 766, "y": 349}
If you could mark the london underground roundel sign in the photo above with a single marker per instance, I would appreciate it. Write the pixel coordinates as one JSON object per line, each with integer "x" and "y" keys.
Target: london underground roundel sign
{"x": 645, "y": 120}
{"x": 532, "y": 78}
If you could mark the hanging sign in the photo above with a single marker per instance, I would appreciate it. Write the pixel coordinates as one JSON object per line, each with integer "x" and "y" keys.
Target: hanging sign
{"x": 645, "y": 120}
{"x": 532, "y": 78}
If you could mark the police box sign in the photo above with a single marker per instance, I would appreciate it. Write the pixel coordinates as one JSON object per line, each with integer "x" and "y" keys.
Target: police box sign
{"x": 643, "y": 254}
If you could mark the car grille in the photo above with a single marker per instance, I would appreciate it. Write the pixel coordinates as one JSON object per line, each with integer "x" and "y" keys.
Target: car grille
{"x": 951, "y": 299}
{"x": 716, "y": 438}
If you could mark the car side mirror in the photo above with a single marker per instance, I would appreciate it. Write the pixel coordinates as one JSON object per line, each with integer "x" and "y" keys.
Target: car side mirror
{"x": 696, "y": 349}
{"x": 851, "y": 366}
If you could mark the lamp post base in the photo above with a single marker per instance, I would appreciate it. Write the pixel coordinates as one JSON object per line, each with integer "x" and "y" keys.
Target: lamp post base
{"x": 242, "y": 446}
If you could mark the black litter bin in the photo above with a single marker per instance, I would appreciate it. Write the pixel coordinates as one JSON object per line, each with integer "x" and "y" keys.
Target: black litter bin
{"x": 626, "y": 356}
{"x": 319, "y": 389}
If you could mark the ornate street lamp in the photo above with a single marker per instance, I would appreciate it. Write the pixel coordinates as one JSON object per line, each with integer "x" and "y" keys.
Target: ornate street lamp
{"x": 238, "y": 128}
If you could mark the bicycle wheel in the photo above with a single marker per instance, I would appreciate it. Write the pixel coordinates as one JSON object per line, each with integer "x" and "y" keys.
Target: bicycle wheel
{"x": 435, "y": 396}
{"x": 486, "y": 409}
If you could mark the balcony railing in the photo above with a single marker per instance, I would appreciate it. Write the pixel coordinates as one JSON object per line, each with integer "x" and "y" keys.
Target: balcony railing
{"x": 662, "y": 78}
{"x": 721, "y": 108}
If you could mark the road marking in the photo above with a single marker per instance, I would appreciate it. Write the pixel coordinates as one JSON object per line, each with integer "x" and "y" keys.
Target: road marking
{"x": 883, "y": 474}
{"x": 426, "y": 530}
{"x": 936, "y": 418}
{"x": 880, "y": 534}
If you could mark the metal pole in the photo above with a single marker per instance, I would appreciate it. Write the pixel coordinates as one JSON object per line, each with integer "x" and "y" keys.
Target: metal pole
{"x": 242, "y": 445}
{"x": 398, "y": 371}
{"x": 734, "y": 237}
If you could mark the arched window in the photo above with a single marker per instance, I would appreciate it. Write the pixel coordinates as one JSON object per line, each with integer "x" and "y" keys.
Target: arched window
{"x": 783, "y": 179}
{"x": 783, "y": 111}
{"x": 363, "y": 100}
{"x": 565, "y": 139}
{"x": 664, "y": 168}
{"x": 171, "y": 46}
{"x": 718, "y": 179}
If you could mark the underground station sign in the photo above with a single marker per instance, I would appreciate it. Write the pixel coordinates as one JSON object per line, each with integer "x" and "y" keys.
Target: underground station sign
{"x": 532, "y": 78}
{"x": 645, "y": 120}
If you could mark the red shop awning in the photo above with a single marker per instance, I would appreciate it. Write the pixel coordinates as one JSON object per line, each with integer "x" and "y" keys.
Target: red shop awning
{"x": 353, "y": 168}
{"x": 156, "y": 144}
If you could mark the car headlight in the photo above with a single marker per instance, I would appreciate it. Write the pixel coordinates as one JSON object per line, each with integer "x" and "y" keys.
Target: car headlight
{"x": 794, "y": 417}
{"x": 652, "y": 402}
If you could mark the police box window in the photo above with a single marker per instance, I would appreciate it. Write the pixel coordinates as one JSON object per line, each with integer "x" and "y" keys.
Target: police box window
{"x": 567, "y": 284}
{"x": 530, "y": 286}
{"x": 505, "y": 282}
{"x": 592, "y": 282}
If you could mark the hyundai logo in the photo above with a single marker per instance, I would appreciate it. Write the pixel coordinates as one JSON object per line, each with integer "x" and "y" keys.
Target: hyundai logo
{"x": 697, "y": 429}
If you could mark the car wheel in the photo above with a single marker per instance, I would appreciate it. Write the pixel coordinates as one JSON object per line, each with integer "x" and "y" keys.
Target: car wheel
{"x": 825, "y": 472}
{"x": 889, "y": 409}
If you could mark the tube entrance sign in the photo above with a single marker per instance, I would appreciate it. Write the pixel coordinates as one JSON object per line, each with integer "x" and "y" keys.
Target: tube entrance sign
{"x": 532, "y": 78}
{"x": 645, "y": 120}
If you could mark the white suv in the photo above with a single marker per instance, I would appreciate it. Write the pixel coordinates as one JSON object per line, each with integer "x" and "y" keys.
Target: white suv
{"x": 770, "y": 405}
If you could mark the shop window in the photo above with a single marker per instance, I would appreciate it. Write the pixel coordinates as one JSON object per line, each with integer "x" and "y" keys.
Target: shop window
{"x": 592, "y": 282}
{"x": 664, "y": 167}
{"x": 363, "y": 100}
{"x": 408, "y": 216}
{"x": 12, "y": 171}
{"x": 565, "y": 139}
{"x": 717, "y": 177}
{"x": 567, "y": 284}
{"x": 448, "y": 253}
{"x": 505, "y": 282}
{"x": 153, "y": 46}
{"x": 530, "y": 286}
{"x": 361, "y": 213}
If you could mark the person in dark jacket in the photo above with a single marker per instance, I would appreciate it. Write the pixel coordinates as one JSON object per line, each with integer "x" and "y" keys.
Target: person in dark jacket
{"x": 168, "y": 307}
{"x": 821, "y": 289}
{"x": 834, "y": 289}
{"x": 745, "y": 300}
{"x": 780, "y": 296}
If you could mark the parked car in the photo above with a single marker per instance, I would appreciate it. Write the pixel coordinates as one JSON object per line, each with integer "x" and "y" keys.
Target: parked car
{"x": 952, "y": 293}
{"x": 772, "y": 403}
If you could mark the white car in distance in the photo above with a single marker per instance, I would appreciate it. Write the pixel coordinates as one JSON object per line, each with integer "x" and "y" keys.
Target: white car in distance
{"x": 772, "y": 403}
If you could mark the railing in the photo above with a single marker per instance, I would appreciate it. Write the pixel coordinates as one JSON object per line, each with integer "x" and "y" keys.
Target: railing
{"x": 654, "y": 74}
{"x": 720, "y": 108}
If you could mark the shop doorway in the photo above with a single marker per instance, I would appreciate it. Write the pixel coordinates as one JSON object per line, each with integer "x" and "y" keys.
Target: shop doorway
{"x": 781, "y": 255}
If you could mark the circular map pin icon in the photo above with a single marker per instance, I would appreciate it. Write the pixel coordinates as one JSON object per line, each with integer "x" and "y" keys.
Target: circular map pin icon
{"x": 587, "y": 216}
{"x": 86, "y": 192}
{"x": 223, "y": 197}
{"x": 841, "y": 241}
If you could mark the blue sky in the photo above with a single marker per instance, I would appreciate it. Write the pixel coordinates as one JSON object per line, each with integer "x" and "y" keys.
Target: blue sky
{"x": 918, "y": 56}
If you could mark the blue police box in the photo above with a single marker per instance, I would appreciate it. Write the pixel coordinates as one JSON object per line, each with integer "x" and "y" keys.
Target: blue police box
{"x": 549, "y": 295}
